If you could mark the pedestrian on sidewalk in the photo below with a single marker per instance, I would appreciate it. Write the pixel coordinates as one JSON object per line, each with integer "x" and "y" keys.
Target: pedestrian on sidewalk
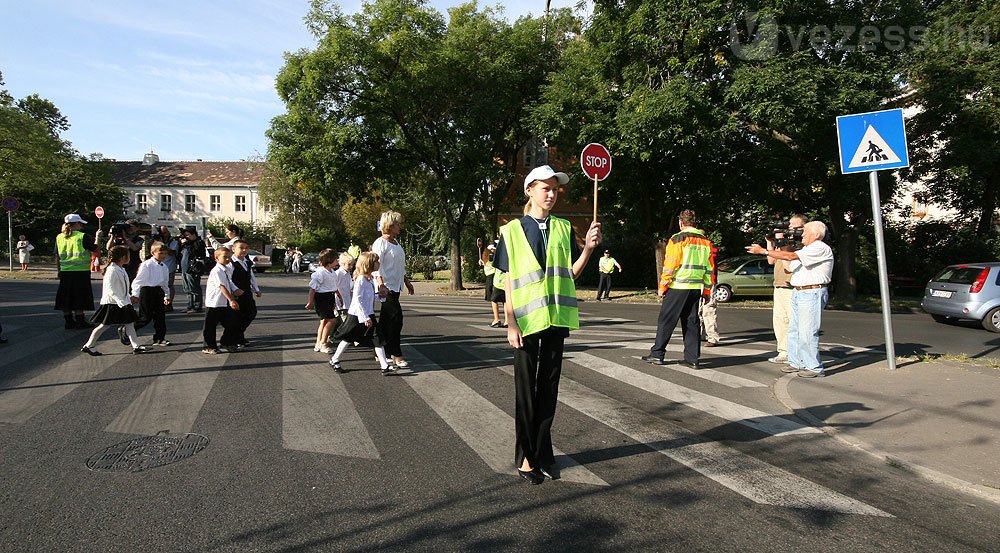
{"x": 782, "y": 304}
{"x": 812, "y": 269}
{"x": 361, "y": 326}
{"x": 494, "y": 289}
{"x": 193, "y": 263}
{"x": 116, "y": 303}
{"x": 537, "y": 253}
{"x": 220, "y": 300}
{"x": 151, "y": 288}
{"x": 246, "y": 281}
{"x": 323, "y": 285}
{"x": 74, "y": 295}
{"x": 391, "y": 278}
{"x": 686, "y": 277}
{"x": 24, "y": 249}
{"x": 708, "y": 311}
{"x": 606, "y": 266}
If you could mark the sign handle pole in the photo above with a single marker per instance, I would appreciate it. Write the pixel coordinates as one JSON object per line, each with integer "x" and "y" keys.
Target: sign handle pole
{"x": 10, "y": 241}
{"x": 883, "y": 272}
{"x": 595, "y": 198}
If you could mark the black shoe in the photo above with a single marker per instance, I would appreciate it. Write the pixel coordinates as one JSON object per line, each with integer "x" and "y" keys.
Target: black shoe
{"x": 141, "y": 349}
{"x": 122, "y": 336}
{"x": 689, "y": 364}
{"x": 70, "y": 324}
{"x": 82, "y": 323}
{"x": 3, "y": 340}
{"x": 653, "y": 359}
{"x": 549, "y": 471}
{"x": 91, "y": 352}
{"x": 389, "y": 369}
{"x": 532, "y": 476}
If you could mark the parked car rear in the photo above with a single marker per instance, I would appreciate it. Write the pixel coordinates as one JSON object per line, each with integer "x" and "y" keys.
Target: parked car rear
{"x": 260, "y": 261}
{"x": 969, "y": 291}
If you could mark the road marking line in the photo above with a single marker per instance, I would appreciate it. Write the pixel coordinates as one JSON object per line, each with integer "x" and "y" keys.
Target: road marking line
{"x": 725, "y": 379}
{"x": 21, "y": 402}
{"x": 748, "y": 476}
{"x": 318, "y": 414}
{"x": 724, "y": 409}
{"x": 484, "y": 427}
{"x": 15, "y": 351}
{"x": 174, "y": 398}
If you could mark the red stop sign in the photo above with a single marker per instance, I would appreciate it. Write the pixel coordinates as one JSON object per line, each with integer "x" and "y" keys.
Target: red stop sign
{"x": 99, "y": 211}
{"x": 595, "y": 161}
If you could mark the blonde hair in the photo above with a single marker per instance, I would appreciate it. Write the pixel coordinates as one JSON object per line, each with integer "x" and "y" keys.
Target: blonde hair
{"x": 366, "y": 261}
{"x": 157, "y": 246}
{"x": 67, "y": 229}
{"x": 390, "y": 218}
{"x": 345, "y": 258}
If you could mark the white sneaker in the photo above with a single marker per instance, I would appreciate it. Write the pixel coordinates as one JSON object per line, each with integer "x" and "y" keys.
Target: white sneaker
{"x": 778, "y": 359}
{"x": 325, "y": 349}
{"x": 316, "y": 348}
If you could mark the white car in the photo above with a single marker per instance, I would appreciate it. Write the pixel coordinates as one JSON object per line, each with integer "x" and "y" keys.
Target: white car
{"x": 260, "y": 261}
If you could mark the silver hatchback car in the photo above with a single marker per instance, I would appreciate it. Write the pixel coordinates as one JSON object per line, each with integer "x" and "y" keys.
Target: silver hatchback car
{"x": 970, "y": 291}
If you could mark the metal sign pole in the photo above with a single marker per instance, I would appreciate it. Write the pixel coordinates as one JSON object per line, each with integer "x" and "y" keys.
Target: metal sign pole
{"x": 883, "y": 272}
{"x": 10, "y": 240}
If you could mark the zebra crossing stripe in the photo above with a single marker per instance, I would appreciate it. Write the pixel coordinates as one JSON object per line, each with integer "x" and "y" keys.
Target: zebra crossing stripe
{"x": 725, "y": 379}
{"x": 173, "y": 399}
{"x": 318, "y": 414}
{"x": 724, "y": 409}
{"x": 17, "y": 350}
{"x": 21, "y": 402}
{"x": 484, "y": 427}
{"x": 748, "y": 476}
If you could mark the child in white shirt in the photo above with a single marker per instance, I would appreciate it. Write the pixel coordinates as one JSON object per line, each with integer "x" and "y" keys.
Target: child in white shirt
{"x": 322, "y": 297}
{"x": 344, "y": 284}
{"x": 221, "y": 305}
{"x": 151, "y": 287}
{"x": 116, "y": 303}
{"x": 360, "y": 325}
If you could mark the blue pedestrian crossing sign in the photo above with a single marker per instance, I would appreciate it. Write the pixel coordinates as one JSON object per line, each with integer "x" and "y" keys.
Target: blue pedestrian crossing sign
{"x": 872, "y": 141}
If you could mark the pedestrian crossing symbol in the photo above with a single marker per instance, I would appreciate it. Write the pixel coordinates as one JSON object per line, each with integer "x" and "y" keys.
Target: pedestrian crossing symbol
{"x": 872, "y": 141}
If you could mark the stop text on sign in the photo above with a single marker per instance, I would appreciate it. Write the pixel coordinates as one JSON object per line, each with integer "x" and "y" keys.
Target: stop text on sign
{"x": 595, "y": 160}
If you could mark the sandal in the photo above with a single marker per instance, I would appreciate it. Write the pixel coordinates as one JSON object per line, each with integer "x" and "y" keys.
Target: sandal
{"x": 495, "y": 324}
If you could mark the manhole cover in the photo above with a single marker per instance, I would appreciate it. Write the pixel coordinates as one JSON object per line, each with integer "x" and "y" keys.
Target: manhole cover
{"x": 146, "y": 453}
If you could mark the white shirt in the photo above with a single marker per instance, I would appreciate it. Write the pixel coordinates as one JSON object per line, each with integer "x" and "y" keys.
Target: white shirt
{"x": 814, "y": 265}
{"x": 392, "y": 263}
{"x": 114, "y": 287}
{"x": 253, "y": 279}
{"x": 363, "y": 302}
{"x": 344, "y": 287}
{"x": 151, "y": 273}
{"x": 228, "y": 244}
{"x": 221, "y": 275}
{"x": 323, "y": 281}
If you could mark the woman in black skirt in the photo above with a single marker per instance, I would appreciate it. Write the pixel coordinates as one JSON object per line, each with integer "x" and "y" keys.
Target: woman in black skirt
{"x": 116, "y": 303}
{"x": 494, "y": 294}
{"x": 361, "y": 326}
{"x": 72, "y": 250}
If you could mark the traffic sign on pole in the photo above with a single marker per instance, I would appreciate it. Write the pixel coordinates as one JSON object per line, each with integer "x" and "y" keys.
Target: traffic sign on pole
{"x": 595, "y": 161}
{"x": 99, "y": 212}
{"x": 10, "y": 203}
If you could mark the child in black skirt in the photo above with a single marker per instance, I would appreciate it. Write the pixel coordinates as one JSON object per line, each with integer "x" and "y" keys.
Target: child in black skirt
{"x": 116, "y": 303}
{"x": 360, "y": 325}
{"x": 322, "y": 298}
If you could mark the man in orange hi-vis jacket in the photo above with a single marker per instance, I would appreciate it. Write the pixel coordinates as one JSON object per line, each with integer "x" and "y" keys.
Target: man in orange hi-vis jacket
{"x": 688, "y": 266}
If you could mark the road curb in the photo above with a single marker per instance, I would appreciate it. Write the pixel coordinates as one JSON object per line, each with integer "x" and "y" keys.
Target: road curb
{"x": 780, "y": 390}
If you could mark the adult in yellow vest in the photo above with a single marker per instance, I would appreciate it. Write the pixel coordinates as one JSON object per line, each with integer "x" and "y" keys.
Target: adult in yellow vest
{"x": 537, "y": 254}
{"x": 606, "y": 265}
{"x": 494, "y": 286}
{"x": 354, "y": 250}
{"x": 74, "y": 295}
{"x": 688, "y": 266}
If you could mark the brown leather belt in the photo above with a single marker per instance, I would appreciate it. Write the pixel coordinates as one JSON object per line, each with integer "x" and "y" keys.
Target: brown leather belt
{"x": 784, "y": 287}
{"x": 810, "y": 287}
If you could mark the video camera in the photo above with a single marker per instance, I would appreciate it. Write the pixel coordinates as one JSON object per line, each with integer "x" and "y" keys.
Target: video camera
{"x": 782, "y": 236}
{"x": 117, "y": 233}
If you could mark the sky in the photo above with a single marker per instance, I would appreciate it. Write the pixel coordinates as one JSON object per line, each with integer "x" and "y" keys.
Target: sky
{"x": 186, "y": 79}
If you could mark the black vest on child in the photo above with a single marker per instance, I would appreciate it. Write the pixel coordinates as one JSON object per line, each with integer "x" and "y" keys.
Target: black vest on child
{"x": 241, "y": 276}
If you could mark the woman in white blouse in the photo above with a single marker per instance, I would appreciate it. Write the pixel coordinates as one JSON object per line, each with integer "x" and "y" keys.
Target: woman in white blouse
{"x": 24, "y": 252}
{"x": 391, "y": 278}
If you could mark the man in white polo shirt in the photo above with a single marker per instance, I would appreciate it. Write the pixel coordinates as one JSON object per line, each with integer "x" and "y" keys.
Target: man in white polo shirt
{"x": 812, "y": 269}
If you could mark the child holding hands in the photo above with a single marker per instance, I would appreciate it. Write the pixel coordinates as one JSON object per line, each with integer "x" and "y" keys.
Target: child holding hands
{"x": 360, "y": 325}
{"x": 116, "y": 303}
{"x": 220, "y": 301}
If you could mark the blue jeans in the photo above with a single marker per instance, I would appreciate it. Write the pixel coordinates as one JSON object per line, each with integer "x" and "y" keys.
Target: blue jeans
{"x": 803, "y": 328}
{"x": 192, "y": 287}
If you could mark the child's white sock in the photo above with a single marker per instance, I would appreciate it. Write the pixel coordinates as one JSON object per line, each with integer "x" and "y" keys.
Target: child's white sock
{"x": 98, "y": 330}
{"x": 341, "y": 348}
{"x": 380, "y": 353}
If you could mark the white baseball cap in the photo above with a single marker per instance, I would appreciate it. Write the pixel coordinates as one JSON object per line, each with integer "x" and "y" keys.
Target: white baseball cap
{"x": 543, "y": 172}
{"x": 74, "y": 218}
{"x": 491, "y": 247}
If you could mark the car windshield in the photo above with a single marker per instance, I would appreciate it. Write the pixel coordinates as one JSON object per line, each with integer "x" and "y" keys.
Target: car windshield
{"x": 730, "y": 265}
{"x": 254, "y": 252}
{"x": 958, "y": 274}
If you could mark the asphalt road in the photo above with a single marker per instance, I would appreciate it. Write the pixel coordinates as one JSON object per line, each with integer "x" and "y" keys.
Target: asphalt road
{"x": 298, "y": 458}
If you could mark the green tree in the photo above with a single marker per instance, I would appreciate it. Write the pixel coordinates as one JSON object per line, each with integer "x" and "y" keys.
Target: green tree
{"x": 396, "y": 98}
{"x": 955, "y": 136}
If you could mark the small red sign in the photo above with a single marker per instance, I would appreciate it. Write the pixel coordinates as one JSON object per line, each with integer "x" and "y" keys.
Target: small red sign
{"x": 99, "y": 212}
{"x": 595, "y": 161}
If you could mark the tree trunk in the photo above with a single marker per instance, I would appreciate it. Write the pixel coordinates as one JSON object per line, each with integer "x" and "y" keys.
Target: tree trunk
{"x": 989, "y": 205}
{"x": 844, "y": 282}
{"x": 456, "y": 259}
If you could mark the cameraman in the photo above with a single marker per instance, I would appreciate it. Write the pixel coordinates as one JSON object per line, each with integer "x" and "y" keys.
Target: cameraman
{"x": 127, "y": 234}
{"x": 812, "y": 269}
{"x": 193, "y": 264}
{"x": 782, "y": 285}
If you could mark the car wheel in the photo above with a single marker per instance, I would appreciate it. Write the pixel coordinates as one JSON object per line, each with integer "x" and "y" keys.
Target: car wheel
{"x": 991, "y": 321}
{"x": 944, "y": 319}
{"x": 723, "y": 293}
{"x": 258, "y": 269}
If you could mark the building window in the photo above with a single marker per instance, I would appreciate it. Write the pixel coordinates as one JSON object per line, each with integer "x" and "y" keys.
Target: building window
{"x": 241, "y": 203}
{"x": 214, "y": 202}
{"x": 141, "y": 202}
{"x": 268, "y": 208}
{"x": 166, "y": 202}
{"x": 190, "y": 201}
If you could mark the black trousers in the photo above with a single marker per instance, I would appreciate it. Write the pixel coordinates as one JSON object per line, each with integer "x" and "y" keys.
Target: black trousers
{"x": 604, "y": 285}
{"x": 246, "y": 314}
{"x": 537, "y": 366}
{"x": 151, "y": 309}
{"x": 390, "y": 322}
{"x": 679, "y": 305}
{"x": 230, "y": 327}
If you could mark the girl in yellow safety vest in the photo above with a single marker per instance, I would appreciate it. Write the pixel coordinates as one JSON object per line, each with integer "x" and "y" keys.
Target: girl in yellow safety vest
{"x": 537, "y": 254}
